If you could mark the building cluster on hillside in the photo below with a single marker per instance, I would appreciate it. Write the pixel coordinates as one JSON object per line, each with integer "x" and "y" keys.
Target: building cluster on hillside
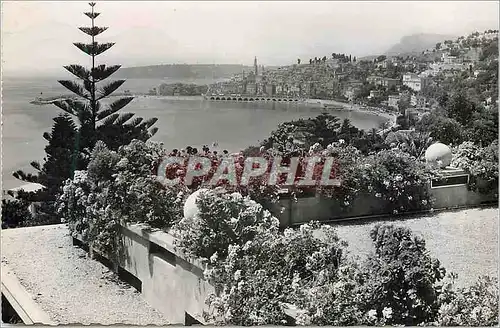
{"x": 383, "y": 81}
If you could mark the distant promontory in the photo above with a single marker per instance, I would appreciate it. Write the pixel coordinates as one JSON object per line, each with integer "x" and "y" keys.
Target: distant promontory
{"x": 181, "y": 71}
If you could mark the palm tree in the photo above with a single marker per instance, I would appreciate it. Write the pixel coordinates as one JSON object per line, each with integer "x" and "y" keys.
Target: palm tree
{"x": 414, "y": 143}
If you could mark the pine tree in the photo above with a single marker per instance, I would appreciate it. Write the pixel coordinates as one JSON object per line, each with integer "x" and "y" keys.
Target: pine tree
{"x": 60, "y": 162}
{"x": 60, "y": 156}
{"x": 15, "y": 214}
{"x": 98, "y": 121}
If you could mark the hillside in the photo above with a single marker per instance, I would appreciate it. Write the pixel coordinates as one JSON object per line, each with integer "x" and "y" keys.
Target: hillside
{"x": 416, "y": 43}
{"x": 180, "y": 71}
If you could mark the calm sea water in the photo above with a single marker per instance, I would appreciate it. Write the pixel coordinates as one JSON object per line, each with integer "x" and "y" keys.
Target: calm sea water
{"x": 182, "y": 121}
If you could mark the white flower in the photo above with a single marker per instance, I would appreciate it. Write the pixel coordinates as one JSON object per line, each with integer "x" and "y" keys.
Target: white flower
{"x": 228, "y": 314}
{"x": 399, "y": 178}
{"x": 214, "y": 258}
{"x": 122, "y": 163}
{"x": 247, "y": 245}
{"x": 305, "y": 228}
{"x": 237, "y": 275}
{"x": 387, "y": 312}
{"x": 236, "y": 196}
{"x": 303, "y": 319}
{"x": 378, "y": 195}
{"x": 372, "y": 314}
{"x": 295, "y": 281}
{"x": 288, "y": 233}
{"x": 410, "y": 197}
{"x": 207, "y": 273}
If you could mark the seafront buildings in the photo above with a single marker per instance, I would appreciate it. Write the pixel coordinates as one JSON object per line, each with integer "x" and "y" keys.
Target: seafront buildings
{"x": 380, "y": 82}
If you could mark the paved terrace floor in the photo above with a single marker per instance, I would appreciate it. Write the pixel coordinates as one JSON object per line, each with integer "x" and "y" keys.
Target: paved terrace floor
{"x": 464, "y": 241}
{"x": 65, "y": 285}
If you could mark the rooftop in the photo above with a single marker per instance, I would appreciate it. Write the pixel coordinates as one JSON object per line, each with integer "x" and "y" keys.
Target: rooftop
{"x": 57, "y": 283}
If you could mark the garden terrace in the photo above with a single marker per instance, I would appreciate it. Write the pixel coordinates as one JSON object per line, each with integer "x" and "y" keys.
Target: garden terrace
{"x": 62, "y": 278}
{"x": 465, "y": 241}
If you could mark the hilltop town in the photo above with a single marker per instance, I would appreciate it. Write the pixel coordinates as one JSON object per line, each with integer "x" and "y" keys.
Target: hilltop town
{"x": 396, "y": 83}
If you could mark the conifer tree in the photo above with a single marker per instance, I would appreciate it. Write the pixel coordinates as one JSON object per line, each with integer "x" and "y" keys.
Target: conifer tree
{"x": 59, "y": 163}
{"x": 98, "y": 121}
{"x": 69, "y": 144}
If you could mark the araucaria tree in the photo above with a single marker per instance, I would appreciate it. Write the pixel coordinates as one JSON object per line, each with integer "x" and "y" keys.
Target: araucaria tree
{"x": 70, "y": 145}
{"x": 99, "y": 121}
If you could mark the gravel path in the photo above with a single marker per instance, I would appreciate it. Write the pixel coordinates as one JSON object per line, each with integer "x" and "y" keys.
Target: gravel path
{"x": 69, "y": 286}
{"x": 465, "y": 241}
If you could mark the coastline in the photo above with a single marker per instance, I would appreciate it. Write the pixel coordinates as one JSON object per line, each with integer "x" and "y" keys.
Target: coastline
{"x": 354, "y": 107}
{"x": 319, "y": 102}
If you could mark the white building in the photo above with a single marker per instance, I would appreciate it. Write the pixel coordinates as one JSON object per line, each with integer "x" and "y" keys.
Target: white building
{"x": 418, "y": 101}
{"x": 414, "y": 82}
{"x": 349, "y": 94}
{"x": 374, "y": 94}
{"x": 393, "y": 101}
{"x": 448, "y": 59}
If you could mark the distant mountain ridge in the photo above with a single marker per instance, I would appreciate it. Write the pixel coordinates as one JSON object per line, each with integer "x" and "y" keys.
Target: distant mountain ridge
{"x": 181, "y": 71}
{"x": 416, "y": 43}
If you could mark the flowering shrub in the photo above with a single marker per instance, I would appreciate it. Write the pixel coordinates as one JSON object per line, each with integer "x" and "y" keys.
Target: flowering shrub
{"x": 223, "y": 220}
{"x": 402, "y": 277}
{"x": 476, "y": 305}
{"x": 309, "y": 270}
{"x": 392, "y": 175}
{"x": 480, "y": 163}
{"x": 260, "y": 188}
{"x": 334, "y": 301}
{"x": 118, "y": 188}
{"x": 261, "y": 277}
{"x": 257, "y": 188}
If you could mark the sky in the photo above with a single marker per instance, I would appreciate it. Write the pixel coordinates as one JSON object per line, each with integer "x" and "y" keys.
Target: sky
{"x": 38, "y": 35}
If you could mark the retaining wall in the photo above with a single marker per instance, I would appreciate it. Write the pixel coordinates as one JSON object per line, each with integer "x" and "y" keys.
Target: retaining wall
{"x": 319, "y": 208}
{"x": 171, "y": 283}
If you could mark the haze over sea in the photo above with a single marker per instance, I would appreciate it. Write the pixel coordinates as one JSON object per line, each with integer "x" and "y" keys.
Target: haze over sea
{"x": 182, "y": 121}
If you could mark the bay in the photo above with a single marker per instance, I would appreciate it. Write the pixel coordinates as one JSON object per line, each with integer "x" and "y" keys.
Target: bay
{"x": 182, "y": 121}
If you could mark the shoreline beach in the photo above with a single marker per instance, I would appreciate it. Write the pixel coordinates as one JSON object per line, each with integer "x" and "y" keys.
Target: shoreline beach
{"x": 353, "y": 107}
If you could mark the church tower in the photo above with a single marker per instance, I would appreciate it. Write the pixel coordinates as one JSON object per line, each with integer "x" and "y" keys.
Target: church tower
{"x": 256, "y": 76}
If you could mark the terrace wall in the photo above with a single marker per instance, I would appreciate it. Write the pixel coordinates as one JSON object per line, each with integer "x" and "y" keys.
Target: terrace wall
{"x": 170, "y": 283}
{"x": 175, "y": 285}
{"x": 318, "y": 208}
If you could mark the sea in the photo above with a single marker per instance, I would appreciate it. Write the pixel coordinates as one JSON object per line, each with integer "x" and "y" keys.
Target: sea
{"x": 182, "y": 121}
